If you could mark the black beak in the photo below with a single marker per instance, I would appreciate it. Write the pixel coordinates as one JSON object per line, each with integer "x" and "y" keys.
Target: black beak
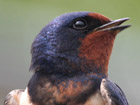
{"x": 113, "y": 26}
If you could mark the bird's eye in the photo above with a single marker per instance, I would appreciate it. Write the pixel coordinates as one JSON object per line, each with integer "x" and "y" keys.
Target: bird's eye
{"x": 80, "y": 24}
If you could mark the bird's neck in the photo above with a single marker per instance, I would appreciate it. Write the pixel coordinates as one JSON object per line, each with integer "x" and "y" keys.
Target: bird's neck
{"x": 73, "y": 65}
{"x": 70, "y": 64}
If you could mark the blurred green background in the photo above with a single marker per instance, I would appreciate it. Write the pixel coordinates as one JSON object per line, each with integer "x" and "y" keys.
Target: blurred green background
{"x": 21, "y": 21}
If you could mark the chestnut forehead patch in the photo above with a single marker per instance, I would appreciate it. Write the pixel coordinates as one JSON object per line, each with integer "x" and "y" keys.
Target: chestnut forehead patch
{"x": 100, "y": 17}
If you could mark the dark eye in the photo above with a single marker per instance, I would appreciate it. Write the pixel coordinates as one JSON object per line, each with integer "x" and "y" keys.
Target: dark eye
{"x": 80, "y": 24}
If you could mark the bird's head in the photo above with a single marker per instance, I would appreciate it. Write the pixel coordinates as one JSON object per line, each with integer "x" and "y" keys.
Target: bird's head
{"x": 75, "y": 42}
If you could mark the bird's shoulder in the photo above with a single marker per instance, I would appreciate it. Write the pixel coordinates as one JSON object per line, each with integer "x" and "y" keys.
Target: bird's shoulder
{"x": 112, "y": 94}
{"x": 18, "y": 97}
{"x": 13, "y": 97}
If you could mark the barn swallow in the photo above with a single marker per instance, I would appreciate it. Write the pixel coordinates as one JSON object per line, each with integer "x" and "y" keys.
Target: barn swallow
{"x": 70, "y": 58}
